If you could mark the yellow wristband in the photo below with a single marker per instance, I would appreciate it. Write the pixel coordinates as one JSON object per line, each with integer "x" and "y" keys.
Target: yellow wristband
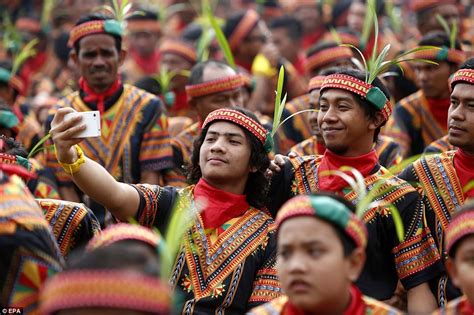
{"x": 74, "y": 167}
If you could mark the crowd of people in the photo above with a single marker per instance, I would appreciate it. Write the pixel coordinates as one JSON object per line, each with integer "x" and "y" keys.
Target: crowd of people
{"x": 254, "y": 157}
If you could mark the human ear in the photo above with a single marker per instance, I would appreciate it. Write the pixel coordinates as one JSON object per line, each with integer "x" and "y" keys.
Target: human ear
{"x": 377, "y": 121}
{"x": 355, "y": 263}
{"x": 453, "y": 272}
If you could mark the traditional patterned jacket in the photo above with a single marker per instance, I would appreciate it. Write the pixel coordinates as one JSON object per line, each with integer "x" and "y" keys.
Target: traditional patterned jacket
{"x": 226, "y": 273}
{"x": 413, "y": 261}
{"x": 387, "y": 150}
{"x": 459, "y": 306}
{"x": 440, "y": 145}
{"x": 443, "y": 194}
{"x": 413, "y": 125}
{"x": 28, "y": 251}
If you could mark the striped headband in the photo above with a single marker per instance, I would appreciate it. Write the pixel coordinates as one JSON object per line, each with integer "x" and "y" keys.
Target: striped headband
{"x": 442, "y": 54}
{"x": 461, "y": 225}
{"x": 111, "y": 27}
{"x": 248, "y": 22}
{"x": 117, "y": 289}
{"x": 143, "y": 26}
{"x": 316, "y": 82}
{"x": 28, "y": 24}
{"x": 326, "y": 56}
{"x": 123, "y": 231}
{"x": 180, "y": 48}
{"x": 15, "y": 160}
{"x": 371, "y": 93}
{"x": 244, "y": 121}
{"x": 420, "y": 5}
{"x": 327, "y": 209}
{"x": 214, "y": 86}
{"x": 462, "y": 75}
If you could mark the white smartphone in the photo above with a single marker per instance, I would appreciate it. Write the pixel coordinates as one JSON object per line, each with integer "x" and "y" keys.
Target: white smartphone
{"x": 91, "y": 120}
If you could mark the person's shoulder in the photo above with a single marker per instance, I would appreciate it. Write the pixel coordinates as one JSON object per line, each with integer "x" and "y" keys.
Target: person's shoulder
{"x": 141, "y": 94}
{"x": 270, "y": 308}
{"x": 412, "y": 99}
{"x": 298, "y": 162}
{"x": 374, "y": 306}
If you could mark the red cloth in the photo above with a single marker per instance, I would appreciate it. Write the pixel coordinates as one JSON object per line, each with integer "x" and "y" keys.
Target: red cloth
{"x": 331, "y": 162}
{"x": 31, "y": 67}
{"x": 465, "y": 308}
{"x": 439, "y": 110}
{"x": 312, "y": 38}
{"x": 12, "y": 169}
{"x": 220, "y": 206}
{"x": 464, "y": 165}
{"x": 299, "y": 64}
{"x": 99, "y": 98}
{"x": 321, "y": 148}
{"x": 247, "y": 66}
{"x": 148, "y": 65}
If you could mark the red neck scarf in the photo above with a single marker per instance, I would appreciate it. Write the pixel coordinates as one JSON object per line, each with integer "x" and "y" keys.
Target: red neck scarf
{"x": 356, "y": 306}
{"x": 220, "y": 206}
{"x": 99, "y": 98}
{"x": 464, "y": 165}
{"x": 439, "y": 110}
{"x": 149, "y": 64}
{"x": 311, "y": 38}
{"x": 246, "y": 65}
{"x": 299, "y": 63}
{"x": 332, "y": 162}
{"x": 465, "y": 308}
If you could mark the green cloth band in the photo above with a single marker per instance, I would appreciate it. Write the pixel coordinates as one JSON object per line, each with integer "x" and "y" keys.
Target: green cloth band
{"x": 5, "y": 75}
{"x": 268, "y": 146}
{"x": 331, "y": 210}
{"x": 442, "y": 54}
{"x": 8, "y": 119}
{"x": 376, "y": 97}
{"x": 113, "y": 27}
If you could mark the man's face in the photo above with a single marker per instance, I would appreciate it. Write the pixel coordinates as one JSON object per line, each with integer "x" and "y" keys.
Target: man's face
{"x": 356, "y": 16}
{"x": 309, "y": 17}
{"x": 175, "y": 63}
{"x": 254, "y": 41}
{"x": 448, "y": 12}
{"x": 98, "y": 60}
{"x": 224, "y": 156}
{"x": 345, "y": 127}
{"x": 461, "y": 268}
{"x": 311, "y": 266}
{"x": 287, "y": 46}
{"x": 433, "y": 79}
{"x": 461, "y": 117}
{"x": 144, "y": 42}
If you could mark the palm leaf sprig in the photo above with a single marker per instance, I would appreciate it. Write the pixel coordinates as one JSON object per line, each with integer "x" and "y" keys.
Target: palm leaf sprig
{"x": 48, "y": 6}
{"x": 452, "y": 31}
{"x": 25, "y": 53}
{"x": 221, "y": 39}
{"x": 279, "y": 101}
{"x": 394, "y": 16}
{"x": 335, "y": 35}
{"x": 164, "y": 77}
{"x": 369, "y": 22}
{"x": 12, "y": 40}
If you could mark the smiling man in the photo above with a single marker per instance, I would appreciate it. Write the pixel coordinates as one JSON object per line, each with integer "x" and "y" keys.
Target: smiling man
{"x": 446, "y": 177}
{"x": 134, "y": 145}
{"x": 227, "y": 259}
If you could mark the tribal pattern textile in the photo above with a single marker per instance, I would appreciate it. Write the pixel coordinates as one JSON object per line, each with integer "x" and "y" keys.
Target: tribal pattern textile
{"x": 413, "y": 125}
{"x": 229, "y": 273}
{"x": 443, "y": 194}
{"x": 179, "y": 48}
{"x": 414, "y": 260}
{"x": 29, "y": 253}
{"x": 459, "y": 306}
{"x": 440, "y": 145}
{"x": 73, "y": 224}
{"x": 44, "y": 185}
{"x": 124, "y": 231}
{"x": 111, "y": 27}
{"x": 134, "y": 137}
{"x": 216, "y": 86}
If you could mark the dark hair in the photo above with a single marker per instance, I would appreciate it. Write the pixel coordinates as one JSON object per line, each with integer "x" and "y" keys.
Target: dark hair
{"x": 192, "y": 32}
{"x": 97, "y": 17}
{"x": 143, "y": 14}
{"x": 257, "y": 185}
{"x": 369, "y": 109}
{"x": 424, "y": 15}
{"x": 323, "y": 45}
{"x": 293, "y": 27}
{"x": 197, "y": 72}
{"x": 14, "y": 147}
{"x": 149, "y": 84}
{"x": 61, "y": 49}
{"x": 439, "y": 39}
{"x": 232, "y": 23}
{"x": 468, "y": 64}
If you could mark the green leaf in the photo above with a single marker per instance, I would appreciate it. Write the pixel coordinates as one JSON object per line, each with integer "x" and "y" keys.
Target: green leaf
{"x": 362, "y": 57}
{"x": 368, "y": 24}
{"x": 37, "y": 146}
{"x": 335, "y": 35}
{"x": 468, "y": 187}
{"x": 25, "y": 53}
{"x": 279, "y": 105}
{"x": 362, "y": 190}
{"x": 444, "y": 24}
{"x": 48, "y": 6}
{"x": 222, "y": 40}
{"x": 294, "y": 114}
{"x": 373, "y": 73}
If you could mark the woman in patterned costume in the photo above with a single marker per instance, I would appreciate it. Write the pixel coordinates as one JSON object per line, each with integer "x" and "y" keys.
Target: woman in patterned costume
{"x": 319, "y": 236}
{"x": 226, "y": 262}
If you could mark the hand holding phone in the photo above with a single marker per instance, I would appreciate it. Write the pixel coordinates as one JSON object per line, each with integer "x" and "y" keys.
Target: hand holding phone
{"x": 91, "y": 120}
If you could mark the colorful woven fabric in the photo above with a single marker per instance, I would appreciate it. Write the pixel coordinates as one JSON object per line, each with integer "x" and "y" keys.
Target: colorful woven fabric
{"x": 94, "y": 27}
{"x": 215, "y": 86}
{"x": 439, "y": 146}
{"x": 316, "y": 82}
{"x": 326, "y": 56}
{"x": 462, "y": 75}
{"x": 105, "y": 289}
{"x": 459, "y": 306}
{"x": 442, "y": 54}
{"x": 124, "y": 231}
{"x": 327, "y": 209}
{"x": 420, "y": 5}
{"x": 180, "y": 48}
{"x": 247, "y": 23}
{"x": 240, "y": 119}
{"x": 461, "y": 225}
{"x": 373, "y": 94}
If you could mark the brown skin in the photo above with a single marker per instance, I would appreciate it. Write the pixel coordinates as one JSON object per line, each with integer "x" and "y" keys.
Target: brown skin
{"x": 308, "y": 251}
{"x": 144, "y": 42}
{"x": 341, "y": 63}
{"x": 288, "y": 47}
{"x": 356, "y": 16}
{"x": 434, "y": 79}
{"x": 176, "y": 63}
{"x": 253, "y": 43}
{"x": 313, "y": 116}
{"x": 448, "y": 11}
{"x": 461, "y": 267}
{"x": 309, "y": 17}
{"x": 461, "y": 117}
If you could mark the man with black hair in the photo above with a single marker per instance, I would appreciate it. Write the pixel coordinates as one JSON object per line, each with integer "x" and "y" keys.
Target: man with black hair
{"x": 421, "y": 118}
{"x": 426, "y": 12}
{"x": 312, "y": 17}
{"x": 446, "y": 178}
{"x": 350, "y": 118}
{"x": 134, "y": 145}
{"x": 226, "y": 261}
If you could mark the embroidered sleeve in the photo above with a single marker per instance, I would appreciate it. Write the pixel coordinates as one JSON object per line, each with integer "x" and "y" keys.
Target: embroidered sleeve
{"x": 156, "y": 153}
{"x": 398, "y": 127}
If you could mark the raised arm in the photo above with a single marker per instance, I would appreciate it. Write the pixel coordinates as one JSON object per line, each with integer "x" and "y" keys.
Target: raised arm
{"x": 122, "y": 200}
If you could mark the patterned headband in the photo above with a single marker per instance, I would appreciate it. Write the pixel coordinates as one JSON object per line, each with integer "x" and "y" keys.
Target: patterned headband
{"x": 15, "y": 160}
{"x": 215, "y": 86}
{"x": 461, "y": 225}
{"x": 111, "y": 27}
{"x": 180, "y": 48}
{"x": 326, "y": 56}
{"x": 443, "y": 54}
{"x": 248, "y": 22}
{"x": 316, "y": 82}
{"x": 124, "y": 231}
{"x": 116, "y": 289}
{"x": 371, "y": 93}
{"x": 244, "y": 121}
{"x": 327, "y": 209}
{"x": 143, "y": 26}
{"x": 420, "y": 5}
{"x": 462, "y": 75}
{"x": 28, "y": 24}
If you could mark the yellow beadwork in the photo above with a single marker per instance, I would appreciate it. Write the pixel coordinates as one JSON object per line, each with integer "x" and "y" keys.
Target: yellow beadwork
{"x": 74, "y": 167}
